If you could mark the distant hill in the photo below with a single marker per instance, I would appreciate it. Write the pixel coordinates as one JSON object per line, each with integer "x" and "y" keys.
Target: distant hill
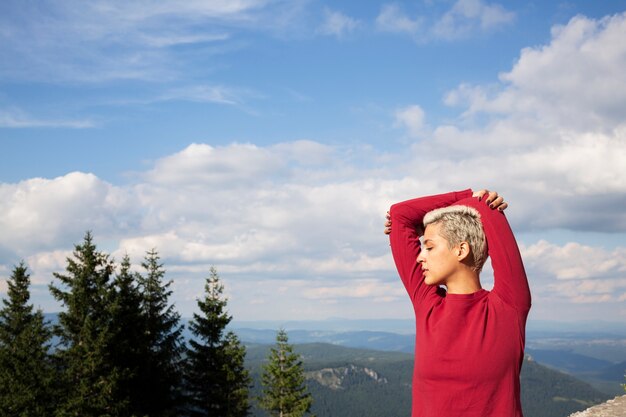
{"x": 568, "y": 361}
{"x": 614, "y": 372}
{"x": 603, "y": 375}
{"x": 348, "y": 382}
{"x": 550, "y": 393}
{"x": 342, "y": 368}
{"x": 374, "y": 340}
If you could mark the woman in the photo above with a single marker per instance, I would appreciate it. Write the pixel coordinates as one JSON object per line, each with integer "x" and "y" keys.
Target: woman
{"x": 469, "y": 343}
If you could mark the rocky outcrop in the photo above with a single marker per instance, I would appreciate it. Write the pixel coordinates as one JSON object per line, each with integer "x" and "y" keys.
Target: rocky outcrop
{"x": 337, "y": 378}
{"x": 612, "y": 408}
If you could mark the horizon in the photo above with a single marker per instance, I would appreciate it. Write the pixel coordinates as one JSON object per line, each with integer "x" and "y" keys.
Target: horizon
{"x": 269, "y": 138}
{"x": 532, "y": 325}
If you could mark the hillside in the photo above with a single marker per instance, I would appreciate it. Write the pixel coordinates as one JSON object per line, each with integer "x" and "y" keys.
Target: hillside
{"x": 603, "y": 375}
{"x": 349, "y": 382}
{"x": 550, "y": 393}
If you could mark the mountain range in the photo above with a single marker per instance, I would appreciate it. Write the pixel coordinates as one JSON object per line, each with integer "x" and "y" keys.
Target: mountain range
{"x": 349, "y": 382}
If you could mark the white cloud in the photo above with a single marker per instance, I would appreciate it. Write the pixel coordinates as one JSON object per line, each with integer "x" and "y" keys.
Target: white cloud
{"x": 300, "y": 220}
{"x": 203, "y": 94}
{"x": 218, "y": 166}
{"x": 392, "y": 19}
{"x": 574, "y": 82}
{"x": 305, "y": 152}
{"x": 16, "y": 119}
{"x": 42, "y": 265}
{"x": 370, "y": 288}
{"x": 463, "y": 19}
{"x": 113, "y": 40}
{"x": 575, "y": 261}
{"x": 575, "y": 273}
{"x": 174, "y": 39}
{"x": 412, "y": 118}
{"x": 337, "y": 24}
{"x": 49, "y": 261}
{"x": 467, "y": 16}
{"x": 43, "y": 213}
{"x": 552, "y": 139}
{"x": 313, "y": 240}
{"x": 4, "y": 276}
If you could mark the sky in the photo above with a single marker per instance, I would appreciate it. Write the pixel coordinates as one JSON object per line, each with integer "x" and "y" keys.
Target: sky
{"x": 268, "y": 138}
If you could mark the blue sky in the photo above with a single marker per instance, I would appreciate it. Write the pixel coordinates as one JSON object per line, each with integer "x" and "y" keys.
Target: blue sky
{"x": 269, "y": 137}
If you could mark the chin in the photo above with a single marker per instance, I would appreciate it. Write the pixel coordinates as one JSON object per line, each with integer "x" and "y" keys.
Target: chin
{"x": 429, "y": 281}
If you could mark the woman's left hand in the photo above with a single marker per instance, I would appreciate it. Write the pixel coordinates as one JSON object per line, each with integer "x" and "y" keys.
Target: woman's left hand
{"x": 387, "y": 223}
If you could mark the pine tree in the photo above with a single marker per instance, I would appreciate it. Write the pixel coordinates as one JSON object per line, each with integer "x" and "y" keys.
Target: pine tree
{"x": 237, "y": 379}
{"x": 128, "y": 345}
{"x": 284, "y": 390}
{"x": 161, "y": 367}
{"x": 26, "y": 372}
{"x": 216, "y": 379}
{"x": 89, "y": 375}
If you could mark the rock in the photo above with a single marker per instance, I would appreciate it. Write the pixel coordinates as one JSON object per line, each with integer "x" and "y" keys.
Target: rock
{"x": 612, "y": 408}
{"x": 335, "y": 378}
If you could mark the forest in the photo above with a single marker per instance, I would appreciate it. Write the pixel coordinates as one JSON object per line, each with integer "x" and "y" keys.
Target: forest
{"x": 117, "y": 348}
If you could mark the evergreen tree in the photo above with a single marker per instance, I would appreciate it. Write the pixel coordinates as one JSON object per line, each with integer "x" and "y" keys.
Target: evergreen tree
{"x": 284, "y": 390}
{"x": 161, "y": 367}
{"x": 89, "y": 375}
{"x": 216, "y": 379}
{"x": 128, "y": 347}
{"x": 26, "y": 372}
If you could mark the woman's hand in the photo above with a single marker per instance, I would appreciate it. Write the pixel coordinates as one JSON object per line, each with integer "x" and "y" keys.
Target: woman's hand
{"x": 492, "y": 198}
{"x": 388, "y": 223}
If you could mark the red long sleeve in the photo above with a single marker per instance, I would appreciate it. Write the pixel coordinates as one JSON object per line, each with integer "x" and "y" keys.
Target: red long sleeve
{"x": 510, "y": 284}
{"x": 469, "y": 347}
{"x": 406, "y": 223}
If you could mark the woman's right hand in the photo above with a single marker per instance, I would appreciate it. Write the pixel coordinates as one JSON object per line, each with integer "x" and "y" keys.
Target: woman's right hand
{"x": 493, "y": 199}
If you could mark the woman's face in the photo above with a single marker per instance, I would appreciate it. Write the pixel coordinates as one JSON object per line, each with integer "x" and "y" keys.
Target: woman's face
{"x": 437, "y": 260}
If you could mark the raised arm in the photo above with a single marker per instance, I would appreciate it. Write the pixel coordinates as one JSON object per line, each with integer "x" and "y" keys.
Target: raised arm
{"x": 511, "y": 284}
{"x": 406, "y": 228}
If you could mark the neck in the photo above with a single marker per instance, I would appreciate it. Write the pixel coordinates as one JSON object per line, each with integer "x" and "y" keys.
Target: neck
{"x": 463, "y": 282}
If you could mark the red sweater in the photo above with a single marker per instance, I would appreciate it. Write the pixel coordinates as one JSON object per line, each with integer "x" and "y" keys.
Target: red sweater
{"x": 468, "y": 347}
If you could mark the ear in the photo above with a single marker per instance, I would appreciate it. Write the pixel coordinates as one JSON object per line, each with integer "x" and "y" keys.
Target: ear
{"x": 462, "y": 251}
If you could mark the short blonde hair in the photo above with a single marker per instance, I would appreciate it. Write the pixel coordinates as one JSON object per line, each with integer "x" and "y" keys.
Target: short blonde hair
{"x": 461, "y": 224}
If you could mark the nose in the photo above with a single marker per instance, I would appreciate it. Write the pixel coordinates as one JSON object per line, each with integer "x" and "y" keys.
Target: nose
{"x": 420, "y": 258}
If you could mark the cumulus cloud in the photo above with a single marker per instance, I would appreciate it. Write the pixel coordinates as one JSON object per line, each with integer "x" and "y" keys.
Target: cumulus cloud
{"x": 412, "y": 118}
{"x": 573, "y": 280}
{"x": 43, "y": 213}
{"x": 574, "y": 82}
{"x": 552, "y": 139}
{"x": 207, "y": 165}
{"x": 302, "y": 221}
{"x": 575, "y": 261}
{"x": 372, "y": 289}
{"x": 317, "y": 243}
{"x": 337, "y": 24}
